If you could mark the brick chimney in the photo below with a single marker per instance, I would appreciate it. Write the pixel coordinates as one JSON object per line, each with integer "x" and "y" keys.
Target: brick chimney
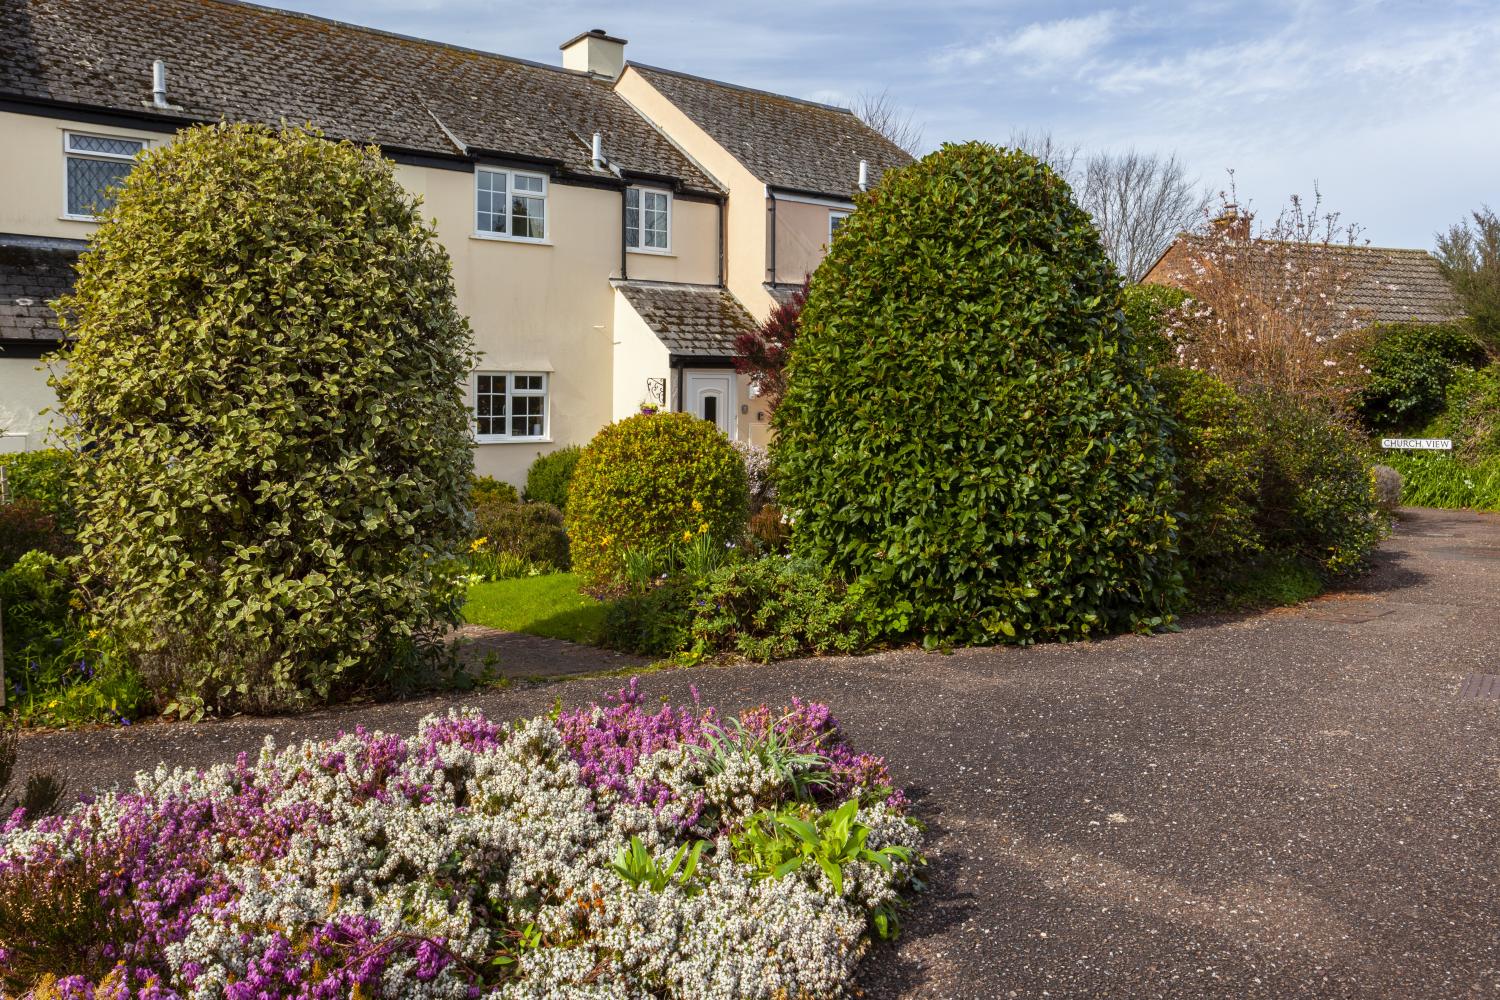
{"x": 1233, "y": 223}
{"x": 595, "y": 52}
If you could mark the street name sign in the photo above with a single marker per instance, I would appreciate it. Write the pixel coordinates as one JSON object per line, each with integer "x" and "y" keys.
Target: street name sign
{"x": 1417, "y": 444}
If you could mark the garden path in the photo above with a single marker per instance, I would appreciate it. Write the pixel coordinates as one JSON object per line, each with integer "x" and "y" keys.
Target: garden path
{"x": 1294, "y": 804}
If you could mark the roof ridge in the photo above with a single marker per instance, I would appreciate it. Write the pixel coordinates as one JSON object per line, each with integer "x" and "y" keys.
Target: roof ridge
{"x": 733, "y": 86}
{"x": 398, "y": 36}
{"x": 1321, "y": 245}
{"x": 684, "y": 286}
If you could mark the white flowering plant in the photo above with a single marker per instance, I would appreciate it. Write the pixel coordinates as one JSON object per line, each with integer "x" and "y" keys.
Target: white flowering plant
{"x": 595, "y": 854}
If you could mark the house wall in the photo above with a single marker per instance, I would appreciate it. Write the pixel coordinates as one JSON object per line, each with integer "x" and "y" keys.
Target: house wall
{"x": 745, "y": 230}
{"x": 801, "y": 238}
{"x": 638, "y": 355}
{"x": 533, "y": 307}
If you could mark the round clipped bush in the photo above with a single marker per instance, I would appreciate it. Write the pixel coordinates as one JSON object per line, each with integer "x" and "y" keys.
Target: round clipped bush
{"x": 968, "y": 422}
{"x": 266, "y": 399}
{"x": 550, "y": 476}
{"x": 648, "y": 482}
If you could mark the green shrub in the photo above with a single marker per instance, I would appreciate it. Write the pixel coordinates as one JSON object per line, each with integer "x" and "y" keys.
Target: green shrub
{"x": 27, "y": 525}
{"x": 656, "y": 621}
{"x": 265, "y": 395}
{"x": 1448, "y": 481}
{"x": 776, "y": 608}
{"x": 1148, "y": 310}
{"x": 1410, "y": 367}
{"x": 1472, "y": 414}
{"x": 41, "y": 477}
{"x": 1317, "y": 497}
{"x": 488, "y": 489}
{"x": 551, "y": 475}
{"x": 647, "y": 481}
{"x": 968, "y": 421}
{"x": 528, "y": 531}
{"x": 1217, "y": 446}
{"x": 57, "y": 671}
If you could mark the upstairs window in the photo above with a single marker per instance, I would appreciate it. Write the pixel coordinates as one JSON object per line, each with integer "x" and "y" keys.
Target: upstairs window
{"x": 510, "y": 203}
{"x": 510, "y": 406}
{"x": 648, "y": 220}
{"x": 835, "y": 220}
{"x": 95, "y": 164}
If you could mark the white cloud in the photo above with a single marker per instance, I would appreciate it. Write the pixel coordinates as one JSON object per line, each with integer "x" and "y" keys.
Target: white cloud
{"x": 1040, "y": 45}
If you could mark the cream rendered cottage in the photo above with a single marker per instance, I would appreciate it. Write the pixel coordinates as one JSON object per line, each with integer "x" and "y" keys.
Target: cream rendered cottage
{"x": 612, "y": 227}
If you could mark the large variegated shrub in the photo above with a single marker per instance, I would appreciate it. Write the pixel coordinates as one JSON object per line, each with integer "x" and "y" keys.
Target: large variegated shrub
{"x": 968, "y": 422}
{"x": 265, "y": 398}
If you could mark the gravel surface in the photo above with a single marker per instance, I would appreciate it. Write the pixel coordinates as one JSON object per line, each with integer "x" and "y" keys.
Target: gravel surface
{"x": 1296, "y": 804}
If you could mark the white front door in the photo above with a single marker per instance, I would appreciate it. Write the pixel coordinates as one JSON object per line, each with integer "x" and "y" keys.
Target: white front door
{"x": 710, "y": 395}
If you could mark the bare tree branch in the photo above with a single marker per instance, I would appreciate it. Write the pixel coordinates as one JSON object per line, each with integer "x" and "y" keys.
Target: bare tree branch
{"x": 881, "y": 113}
{"x": 1139, "y": 201}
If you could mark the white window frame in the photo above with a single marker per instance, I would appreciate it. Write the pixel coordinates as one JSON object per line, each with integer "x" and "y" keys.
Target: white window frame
{"x": 833, "y": 218}
{"x": 640, "y": 191}
{"x": 510, "y": 192}
{"x": 512, "y": 393}
{"x": 69, "y": 153}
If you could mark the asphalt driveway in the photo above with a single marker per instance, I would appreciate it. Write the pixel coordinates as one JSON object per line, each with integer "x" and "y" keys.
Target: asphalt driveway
{"x": 1297, "y": 804}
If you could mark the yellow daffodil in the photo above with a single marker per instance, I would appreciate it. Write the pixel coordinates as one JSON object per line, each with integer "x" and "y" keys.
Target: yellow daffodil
{"x": 478, "y": 544}
{"x": 703, "y": 528}
{"x": 687, "y": 536}
{"x": 697, "y": 507}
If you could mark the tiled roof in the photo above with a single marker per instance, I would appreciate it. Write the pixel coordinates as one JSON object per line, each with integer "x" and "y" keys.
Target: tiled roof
{"x": 1389, "y": 284}
{"x": 247, "y": 63}
{"x": 785, "y": 142}
{"x": 32, "y": 272}
{"x": 691, "y": 320}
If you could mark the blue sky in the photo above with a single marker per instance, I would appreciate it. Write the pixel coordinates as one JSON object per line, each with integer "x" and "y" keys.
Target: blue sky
{"x": 1392, "y": 108}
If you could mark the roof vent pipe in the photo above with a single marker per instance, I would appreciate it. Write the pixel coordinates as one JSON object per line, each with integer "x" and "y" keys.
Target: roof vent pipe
{"x": 864, "y": 175}
{"x": 598, "y": 151}
{"x": 159, "y": 84}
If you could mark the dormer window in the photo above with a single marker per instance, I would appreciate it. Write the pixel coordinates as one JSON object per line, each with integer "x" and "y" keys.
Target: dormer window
{"x": 648, "y": 220}
{"x": 510, "y": 204}
{"x": 96, "y": 164}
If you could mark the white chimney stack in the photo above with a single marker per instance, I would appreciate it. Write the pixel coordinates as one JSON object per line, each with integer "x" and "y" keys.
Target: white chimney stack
{"x": 864, "y": 175}
{"x": 595, "y": 52}
{"x": 159, "y": 84}
{"x": 598, "y": 150}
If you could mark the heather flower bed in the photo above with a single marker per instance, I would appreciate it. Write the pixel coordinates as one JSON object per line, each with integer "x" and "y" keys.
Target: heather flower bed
{"x": 615, "y": 851}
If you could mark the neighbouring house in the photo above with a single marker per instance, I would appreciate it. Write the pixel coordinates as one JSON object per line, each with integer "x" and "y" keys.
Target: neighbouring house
{"x": 1387, "y": 284}
{"x": 612, "y": 227}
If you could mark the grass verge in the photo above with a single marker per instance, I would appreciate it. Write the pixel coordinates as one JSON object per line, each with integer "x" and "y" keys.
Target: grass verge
{"x": 548, "y": 605}
{"x": 1448, "y": 482}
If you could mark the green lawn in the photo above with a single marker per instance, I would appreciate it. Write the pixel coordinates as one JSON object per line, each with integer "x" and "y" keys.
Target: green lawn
{"x": 540, "y": 605}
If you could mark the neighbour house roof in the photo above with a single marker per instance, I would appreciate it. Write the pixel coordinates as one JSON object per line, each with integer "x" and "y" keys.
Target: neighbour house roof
{"x": 1389, "y": 284}
{"x": 33, "y": 271}
{"x": 787, "y": 143}
{"x": 227, "y": 59}
{"x": 691, "y": 320}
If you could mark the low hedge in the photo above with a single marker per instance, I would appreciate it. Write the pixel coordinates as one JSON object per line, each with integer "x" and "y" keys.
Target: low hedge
{"x": 551, "y": 477}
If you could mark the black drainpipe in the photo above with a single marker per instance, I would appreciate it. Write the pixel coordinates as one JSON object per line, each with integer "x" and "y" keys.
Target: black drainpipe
{"x": 624, "y": 245}
{"x": 770, "y": 191}
{"x": 681, "y": 403}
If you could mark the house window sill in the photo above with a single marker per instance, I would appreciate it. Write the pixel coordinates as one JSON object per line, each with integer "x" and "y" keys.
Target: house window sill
{"x": 650, "y": 253}
{"x": 490, "y": 439}
{"x": 94, "y": 219}
{"x": 497, "y": 238}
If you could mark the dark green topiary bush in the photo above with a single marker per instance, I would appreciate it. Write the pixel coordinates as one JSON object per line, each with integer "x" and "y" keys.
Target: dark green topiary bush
{"x": 488, "y": 489}
{"x": 1411, "y": 366}
{"x": 532, "y": 532}
{"x": 649, "y": 481}
{"x": 266, "y": 399}
{"x": 968, "y": 422}
{"x": 550, "y": 476}
{"x": 1219, "y": 470}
